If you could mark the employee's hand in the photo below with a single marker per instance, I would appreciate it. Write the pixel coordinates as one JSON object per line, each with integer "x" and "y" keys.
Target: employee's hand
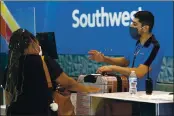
{"x": 95, "y": 55}
{"x": 105, "y": 69}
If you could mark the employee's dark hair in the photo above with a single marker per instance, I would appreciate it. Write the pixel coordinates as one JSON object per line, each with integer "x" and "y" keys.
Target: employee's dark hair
{"x": 145, "y": 18}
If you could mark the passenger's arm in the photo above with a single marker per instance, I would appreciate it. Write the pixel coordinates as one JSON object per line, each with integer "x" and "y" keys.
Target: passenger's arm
{"x": 72, "y": 85}
{"x": 64, "y": 80}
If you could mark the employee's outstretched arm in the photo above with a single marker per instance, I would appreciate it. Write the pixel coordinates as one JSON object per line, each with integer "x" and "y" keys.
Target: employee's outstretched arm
{"x": 99, "y": 57}
{"x": 140, "y": 71}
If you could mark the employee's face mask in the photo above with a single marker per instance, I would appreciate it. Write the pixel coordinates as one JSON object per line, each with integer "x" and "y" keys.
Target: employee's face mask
{"x": 134, "y": 33}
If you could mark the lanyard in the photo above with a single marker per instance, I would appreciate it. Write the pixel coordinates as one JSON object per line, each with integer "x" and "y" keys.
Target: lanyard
{"x": 136, "y": 52}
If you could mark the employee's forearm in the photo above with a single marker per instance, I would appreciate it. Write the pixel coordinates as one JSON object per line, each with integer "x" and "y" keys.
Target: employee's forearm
{"x": 140, "y": 71}
{"x": 122, "y": 70}
{"x": 121, "y": 61}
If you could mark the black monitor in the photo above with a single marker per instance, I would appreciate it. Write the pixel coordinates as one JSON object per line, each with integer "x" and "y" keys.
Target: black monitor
{"x": 48, "y": 44}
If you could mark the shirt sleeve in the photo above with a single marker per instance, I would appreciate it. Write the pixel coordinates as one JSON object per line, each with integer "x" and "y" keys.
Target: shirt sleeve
{"x": 152, "y": 55}
{"x": 155, "y": 61}
{"x": 54, "y": 68}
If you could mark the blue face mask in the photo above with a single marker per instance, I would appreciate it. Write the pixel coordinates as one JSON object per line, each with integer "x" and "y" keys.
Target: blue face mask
{"x": 134, "y": 33}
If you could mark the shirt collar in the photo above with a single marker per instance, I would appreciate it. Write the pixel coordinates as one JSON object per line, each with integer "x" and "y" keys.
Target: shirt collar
{"x": 148, "y": 42}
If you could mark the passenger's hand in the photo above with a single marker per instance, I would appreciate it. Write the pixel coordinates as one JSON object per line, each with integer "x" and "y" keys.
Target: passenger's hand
{"x": 105, "y": 69}
{"x": 92, "y": 89}
{"x": 95, "y": 55}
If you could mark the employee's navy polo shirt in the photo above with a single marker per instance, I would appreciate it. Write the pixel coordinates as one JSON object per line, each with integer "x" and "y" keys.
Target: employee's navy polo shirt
{"x": 148, "y": 54}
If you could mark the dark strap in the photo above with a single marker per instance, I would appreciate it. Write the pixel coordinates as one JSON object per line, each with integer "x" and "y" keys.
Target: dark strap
{"x": 119, "y": 83}
{"x": 47, "y": 74}
{"x": 48, "y": 78}
{"x": 133, "y": 63}
{"x": 1, "y": 98}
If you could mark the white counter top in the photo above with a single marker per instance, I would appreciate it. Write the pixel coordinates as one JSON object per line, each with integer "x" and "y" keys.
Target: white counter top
{"x": 156, "y": 97}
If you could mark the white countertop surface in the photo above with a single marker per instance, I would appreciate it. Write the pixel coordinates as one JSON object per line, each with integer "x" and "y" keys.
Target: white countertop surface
{"x": 156, "y": 97}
